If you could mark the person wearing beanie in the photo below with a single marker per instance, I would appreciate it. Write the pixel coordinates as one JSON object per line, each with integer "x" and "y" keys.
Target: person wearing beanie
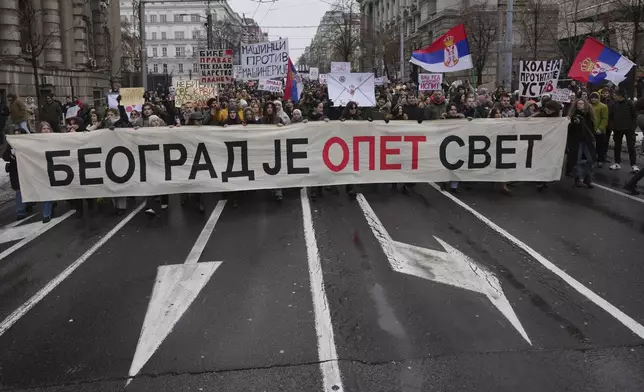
{"x": 601, "y": 121}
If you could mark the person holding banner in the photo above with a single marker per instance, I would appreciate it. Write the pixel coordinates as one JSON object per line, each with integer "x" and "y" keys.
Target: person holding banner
{"x": 581, "y": 141}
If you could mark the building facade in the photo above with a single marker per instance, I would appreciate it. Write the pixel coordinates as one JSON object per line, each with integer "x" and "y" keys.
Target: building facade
{"x": 322, "y": 52}
{"x": 175, "y": 33}
{"x": 60, "y": 47}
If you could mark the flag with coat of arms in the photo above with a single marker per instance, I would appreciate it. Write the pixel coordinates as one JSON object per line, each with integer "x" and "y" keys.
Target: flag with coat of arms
{"x": 449, "y": 53}
{"x": 595, "y": 62}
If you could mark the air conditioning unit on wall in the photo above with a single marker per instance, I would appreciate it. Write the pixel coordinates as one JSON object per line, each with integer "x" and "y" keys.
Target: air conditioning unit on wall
{"x": 46, "y": 79}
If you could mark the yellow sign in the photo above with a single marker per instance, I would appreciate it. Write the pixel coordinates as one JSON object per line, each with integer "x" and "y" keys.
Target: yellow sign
{"x": 132, "y": 96}
{"x": 193, "y": 91}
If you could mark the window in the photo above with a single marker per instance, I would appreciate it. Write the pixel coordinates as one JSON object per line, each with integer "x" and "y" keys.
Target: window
{"x": 165, "y": 68}
{"x": 194, "y": 18}
{"x": 179, "y": 35}
{"x": 180, "y": 51}
{"x": 195, "y": 34}
{"x": 164, "y": 51}
{"x": 154, "y": 35}
{"x": 163, "y": 18}
{"x": 195, "y": 67}
{"x": 155, "y": 67}
{"x": 153, "y": 18}
{"x": 163, "y": 35}
{"x": 180, "y": 68}
{"x": 154, "y": 52}
{"x": 178, "y": 18}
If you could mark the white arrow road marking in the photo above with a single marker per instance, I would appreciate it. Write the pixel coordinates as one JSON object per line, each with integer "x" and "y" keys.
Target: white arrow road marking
{"x": 327, "y": 354}
{"x": 175, "y": 288}
{"x": 33, "y": 231}
{"x": 450, "y": 267}
{"x": 622, "y": 317}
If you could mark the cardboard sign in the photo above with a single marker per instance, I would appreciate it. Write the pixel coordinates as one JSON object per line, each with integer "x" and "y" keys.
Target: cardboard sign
{"x": 430, "y": 82}
{"x": 340, "y": 67}
{"x": 264, "y": 60}
{"x": 538, "y": 77}
{"x": 561, "y": 95}
{"x": 274, "y": 86}
{"x": 237, "y": 71}
{"x": 193, "y": 91}
{"x": 132, "y": 96}
{"x": 314, "y": 73}
{"x": 216, "y": 66}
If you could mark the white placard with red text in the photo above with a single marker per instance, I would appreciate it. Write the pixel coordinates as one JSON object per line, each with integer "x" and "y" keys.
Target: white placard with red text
{"x": 157, "y": 161}
{"x": 274, "y": 86}
{"x": 430, "y": 82}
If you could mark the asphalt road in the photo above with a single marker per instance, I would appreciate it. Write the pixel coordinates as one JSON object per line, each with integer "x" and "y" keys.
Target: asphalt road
{"x": 540, "y": 291}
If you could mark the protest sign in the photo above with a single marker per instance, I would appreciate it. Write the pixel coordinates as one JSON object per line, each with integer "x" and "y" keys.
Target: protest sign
{"x": 340, "y": 67}
{"x": 132, "y": 96}
{"x": 274, "y": 86}
{"x": 113, "y": 103}
{"x": 561, "y": 95}
{"x": 538, "y": 77}
{"x": 193, "y": 91}
{"x": 314, "y": 73}
{"x": 322, "y": 78}
{"x": 216, "y": 66}
{"x": 356, "y": 87}
{"x": 264, "y": 60}
{"x": 157, "y": 161}
{"x": 430, "y": 82}
{"x": 237, "y": 72}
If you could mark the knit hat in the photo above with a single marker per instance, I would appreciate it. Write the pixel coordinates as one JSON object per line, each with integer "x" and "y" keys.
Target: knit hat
{"x": 297, "y": 111}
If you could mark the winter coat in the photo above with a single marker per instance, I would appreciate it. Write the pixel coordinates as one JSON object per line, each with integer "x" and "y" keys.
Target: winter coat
{"x": 601, "y": 116}
{"x": 413, "y": 112}
{"x": 434, "y": 110}
{"x": 379, "y": 113}
{"x": 581, "y": 129}
{"x": 622, "y": 116}
{"x": 11, "y": 166}
{"x": 51, "y": 112}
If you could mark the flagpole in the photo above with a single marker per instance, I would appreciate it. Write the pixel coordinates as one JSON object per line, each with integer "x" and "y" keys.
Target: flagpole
{"x": 402, "y": 50}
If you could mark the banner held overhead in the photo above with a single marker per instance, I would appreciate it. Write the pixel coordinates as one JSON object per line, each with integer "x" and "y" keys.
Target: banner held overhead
{"x": 265, "y": 60}
{"x": 216, "y": 66}
{"x": 154, "y": 161}
{"x": 538, "y": 77}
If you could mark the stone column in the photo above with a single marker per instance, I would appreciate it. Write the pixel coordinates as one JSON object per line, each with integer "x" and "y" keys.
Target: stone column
{"x": 80, "y": 33}
{"x": 51, "y": 32}
{"x": 67, "y": 32}
{"x": 115, "y": 33}
{"x": 98, "y": 31}
{"x": 9, "y": 28}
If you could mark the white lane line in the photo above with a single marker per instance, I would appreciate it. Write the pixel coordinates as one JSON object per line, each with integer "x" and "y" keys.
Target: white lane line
{"x": 615, "y": 191}
{"x": 17, "y": 223}
{"x": 206, "y": 232}
{"x": 622, "y": 317}
{"x": 36, "y": 234}
{"x": 326, "y": 342}
{"x": 42, "y": 293}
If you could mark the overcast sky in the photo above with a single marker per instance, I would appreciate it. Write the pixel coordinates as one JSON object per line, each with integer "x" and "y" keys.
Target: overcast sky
{"x": 278, "y": 18}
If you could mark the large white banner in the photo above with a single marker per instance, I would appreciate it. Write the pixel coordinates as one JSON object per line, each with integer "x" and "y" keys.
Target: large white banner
{"x": 154, "y": 161}
{"x": 357, "y": 87}
{"x": 265, "y": 60}
{"x": 538, "y": 77}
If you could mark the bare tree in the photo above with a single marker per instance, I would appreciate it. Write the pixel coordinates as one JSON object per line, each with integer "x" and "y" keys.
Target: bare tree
{"x": 343, "y": 33}
{"x": 481, "y": 26}
{"x": 628, "y": 21}
{"x": 575, "y": 25}
{"x": 532, "y": 17}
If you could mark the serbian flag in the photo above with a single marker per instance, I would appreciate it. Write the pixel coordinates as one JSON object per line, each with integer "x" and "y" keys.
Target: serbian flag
{"x": 595, "y": 62}
{"x": 294, "y": 86}
{"x": 449, "y": 53}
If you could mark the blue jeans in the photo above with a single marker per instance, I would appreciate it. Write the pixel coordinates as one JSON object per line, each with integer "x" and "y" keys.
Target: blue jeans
{"x": 46, "y": 209}
{"x": 20, "y": 206}
{"x": 584, "y": 167}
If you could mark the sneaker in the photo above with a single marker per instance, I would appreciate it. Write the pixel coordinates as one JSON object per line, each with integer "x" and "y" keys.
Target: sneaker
{"x": 150, "y": 212}
{"x": 46, "y": 220}
{"x": 615, "y": 166}
{"x": 164, "y": 206}
{"x": 635, "y": 169}
{"x": 278, "y": 195}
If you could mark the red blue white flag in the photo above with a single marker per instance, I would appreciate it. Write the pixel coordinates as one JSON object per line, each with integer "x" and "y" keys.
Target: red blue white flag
{"x": 596, "y": 62}
{"x": 449, "y": 53}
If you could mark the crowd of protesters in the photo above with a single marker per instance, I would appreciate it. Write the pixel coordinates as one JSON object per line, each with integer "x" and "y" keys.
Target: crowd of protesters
{"x": 594, "y": 117}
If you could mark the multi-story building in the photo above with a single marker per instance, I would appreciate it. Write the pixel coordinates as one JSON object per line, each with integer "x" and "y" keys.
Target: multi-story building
{"x": 60, "y": 47}
{"x": 338, "y": 31}
{"x": 175, "y": 33}
{"x": 422, "y": 21}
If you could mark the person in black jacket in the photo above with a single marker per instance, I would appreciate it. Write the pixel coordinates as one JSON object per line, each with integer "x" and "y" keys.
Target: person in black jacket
{"x": 622, "y": 121}
{"x": 581, "y": 141}
{"x": 11, "y": 167}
